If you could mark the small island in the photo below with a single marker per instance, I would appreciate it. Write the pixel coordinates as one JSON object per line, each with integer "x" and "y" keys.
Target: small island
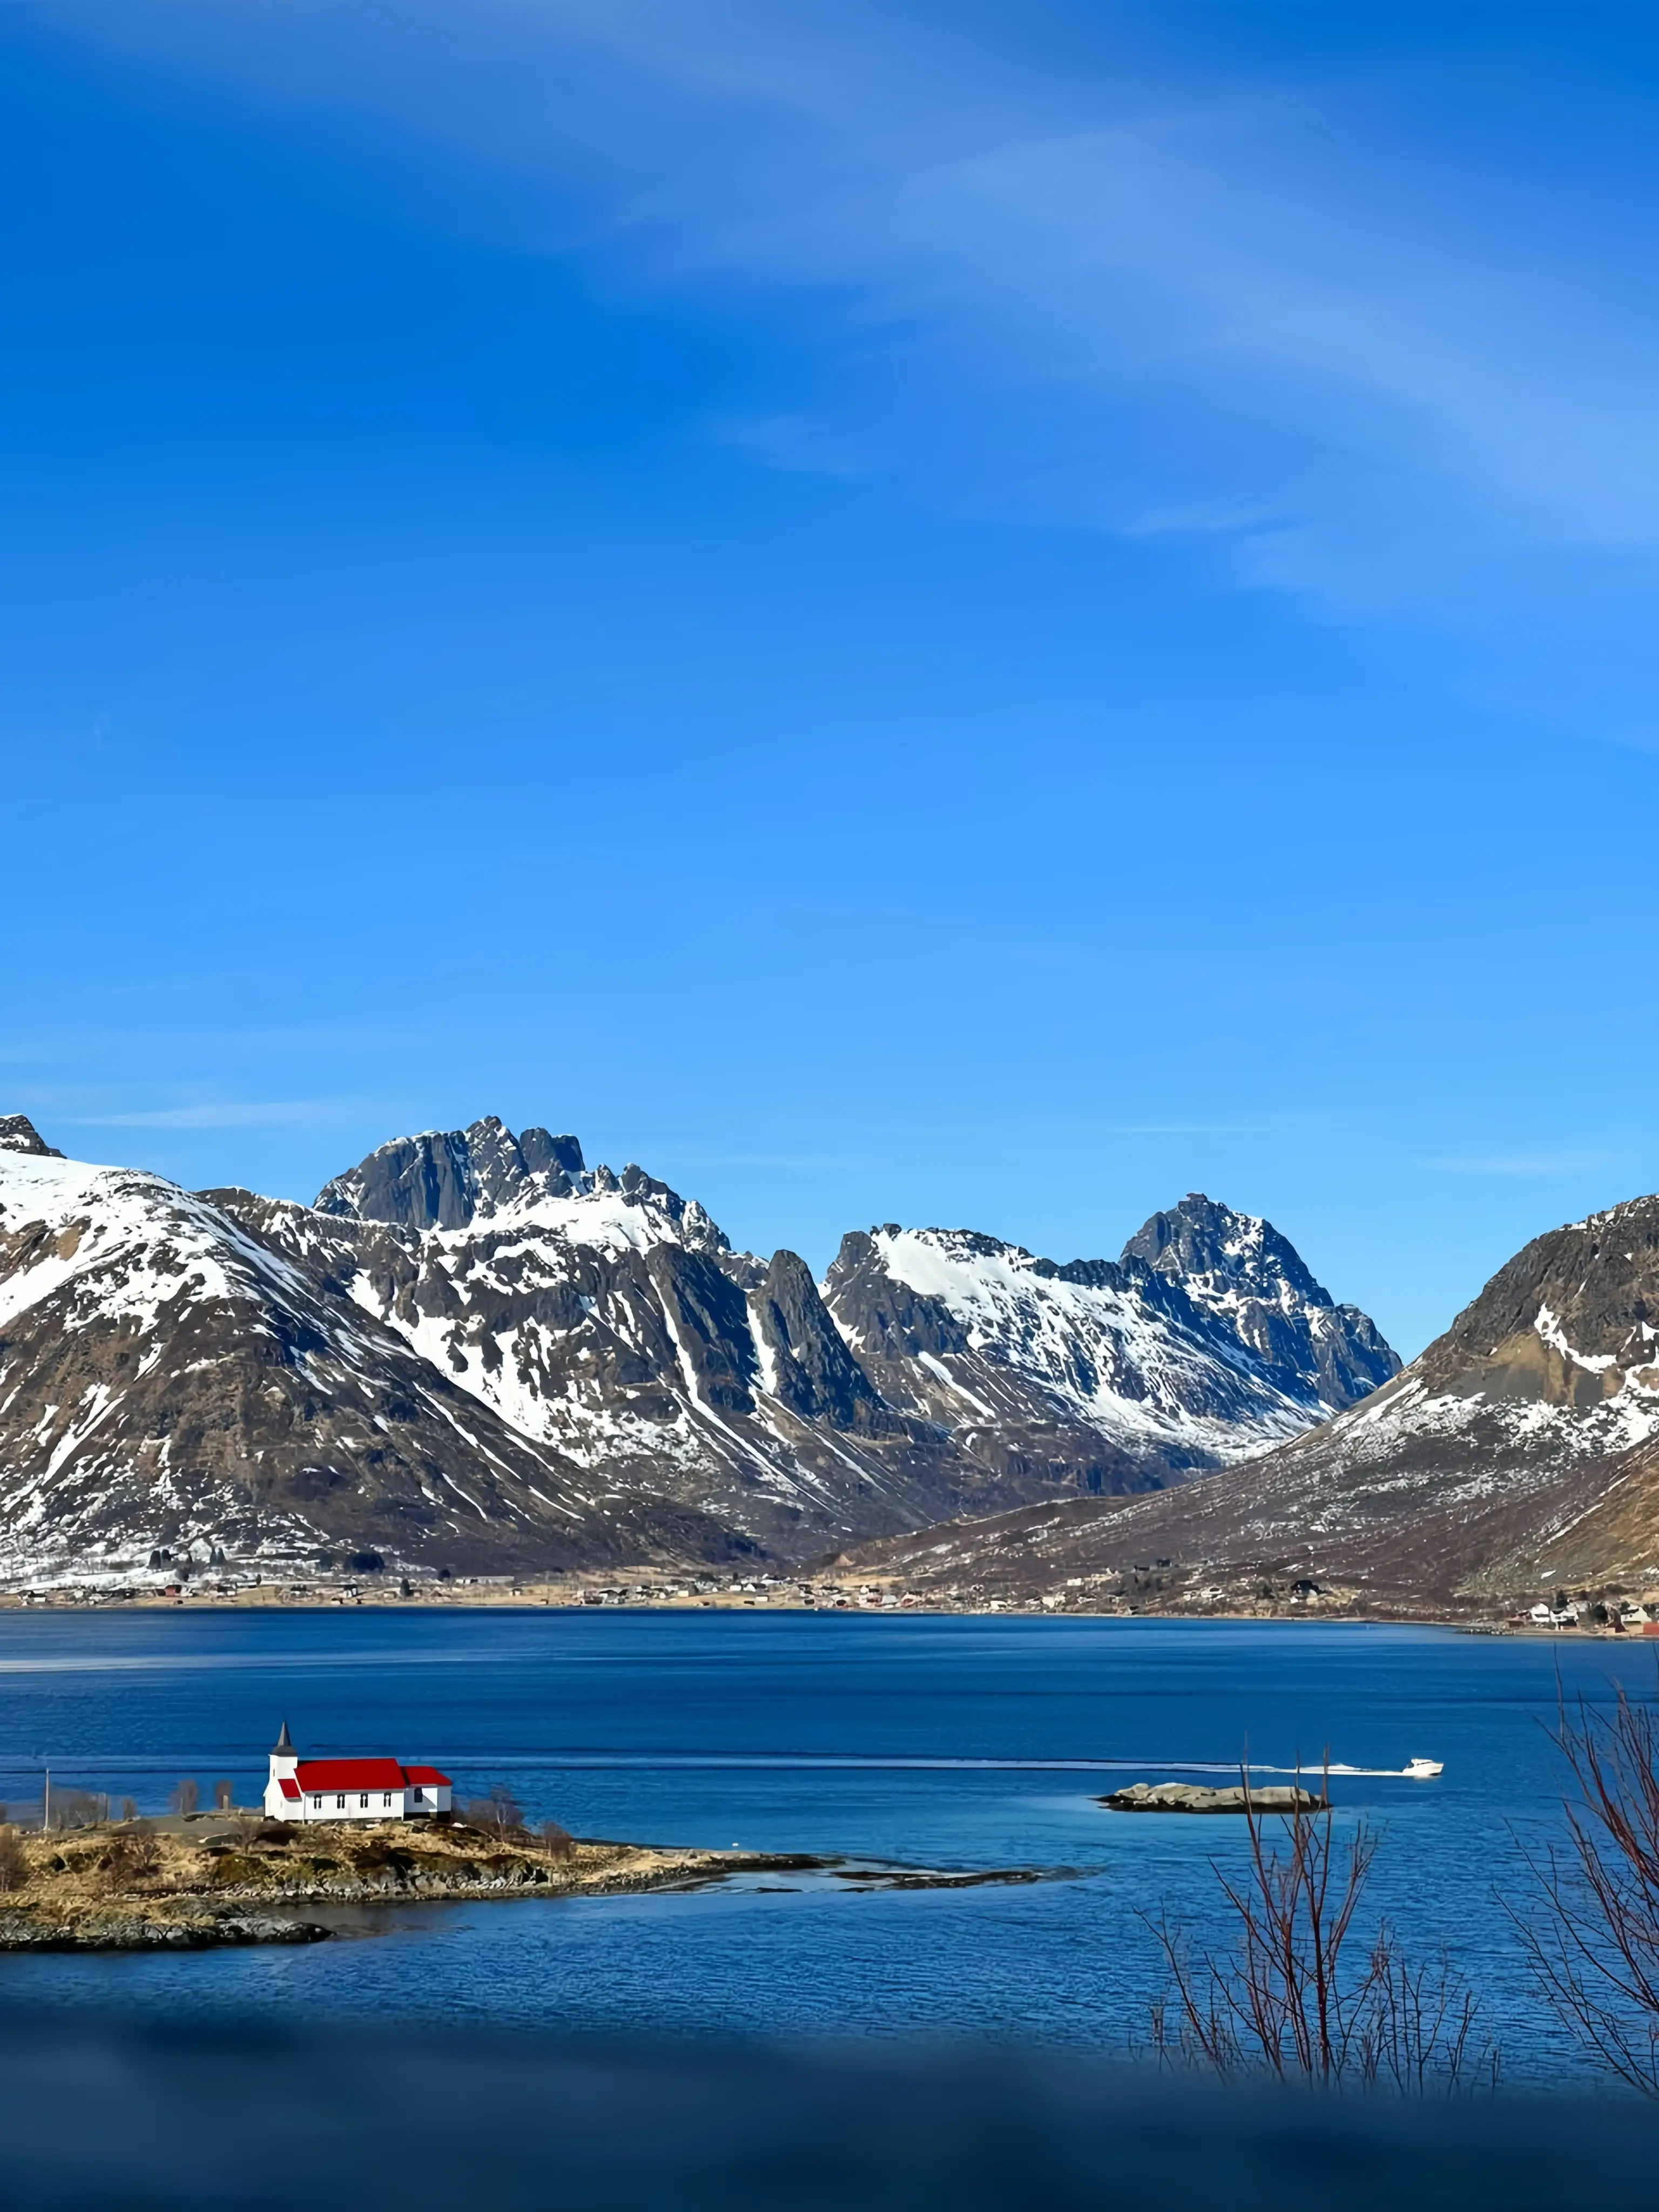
{"x": 1195, "y": 1797}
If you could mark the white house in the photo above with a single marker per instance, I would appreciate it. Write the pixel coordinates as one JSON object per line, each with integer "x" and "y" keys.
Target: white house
{"x": 350, "y": 1789}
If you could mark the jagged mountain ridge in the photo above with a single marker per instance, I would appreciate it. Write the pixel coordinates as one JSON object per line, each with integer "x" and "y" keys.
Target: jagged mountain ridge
{"x": 681, "y": 1393}
{"x": 19, "y": 1134}
{"x": 170, "y": 1382}
{"x": 1240, "y": 1268}
{"x": 1125, "y": 1373}
{"x": 604, "y": 1314}
{"x": 451, "y": 1178}
{"x": 1521, "y": 1449}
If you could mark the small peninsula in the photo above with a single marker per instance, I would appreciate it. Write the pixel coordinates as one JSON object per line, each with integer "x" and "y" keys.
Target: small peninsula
{"x": 200, "y": 1880}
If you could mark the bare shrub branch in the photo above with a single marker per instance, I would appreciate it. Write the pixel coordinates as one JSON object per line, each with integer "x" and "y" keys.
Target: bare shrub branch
{"x": 1593, "y": 1936}
{"x": 133, "y": 1855}
{"x": 14, "y": 1866}
{"x": 500, "y": 1814}
{"x": 1296, "y": 1994}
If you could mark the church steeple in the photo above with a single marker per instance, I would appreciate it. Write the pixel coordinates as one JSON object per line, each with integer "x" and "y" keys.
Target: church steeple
{"x": 284, "y": 1765}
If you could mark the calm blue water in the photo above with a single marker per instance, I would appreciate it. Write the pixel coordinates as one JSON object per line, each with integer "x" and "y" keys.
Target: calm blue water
{"x": 937, "y": 1742}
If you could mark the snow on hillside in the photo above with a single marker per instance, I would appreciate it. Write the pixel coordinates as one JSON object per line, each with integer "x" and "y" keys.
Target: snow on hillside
{"x": 989, "y": 1333}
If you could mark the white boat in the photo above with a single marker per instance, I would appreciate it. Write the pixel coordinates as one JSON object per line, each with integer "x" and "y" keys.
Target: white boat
{"x": 1422, "y": 1770}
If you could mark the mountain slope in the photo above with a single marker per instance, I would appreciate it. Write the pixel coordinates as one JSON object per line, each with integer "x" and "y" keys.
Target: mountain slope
{"x": 168, "y": 1382}
{"x": 475, "y": 1348}
{"x": 1242, "y": 1270}
{"x": 607, "y": 1315}
{"x": 604, "y": 1314}
{"x": 1520, "y": 1449}
{"x": 1189, "y": 1353}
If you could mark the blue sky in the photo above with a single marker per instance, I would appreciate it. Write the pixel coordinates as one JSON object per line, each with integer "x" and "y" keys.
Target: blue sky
{"x": 978, "y": 614}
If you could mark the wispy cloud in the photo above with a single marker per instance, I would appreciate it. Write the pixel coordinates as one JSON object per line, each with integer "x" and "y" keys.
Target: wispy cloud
{"x": 220, "y": 1113}
{"x": 1197, "y": 1129}
{"x": 799, "y": 445}
{"x": 1522, "y": 1163}
{"x": 790, "y": 1161}
{"x": 1319, "y": 322}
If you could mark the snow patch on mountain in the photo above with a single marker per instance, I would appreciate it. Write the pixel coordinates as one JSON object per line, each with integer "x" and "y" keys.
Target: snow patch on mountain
{"x": 1099, "y": 1350}
{"x": 172, "y": 1382}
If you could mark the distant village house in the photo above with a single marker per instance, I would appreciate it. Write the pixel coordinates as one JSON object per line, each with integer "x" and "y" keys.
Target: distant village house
{"x": 350, "y": 1789}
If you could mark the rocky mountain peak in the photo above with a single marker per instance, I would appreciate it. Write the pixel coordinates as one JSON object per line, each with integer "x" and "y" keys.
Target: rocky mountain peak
{"x": 1210, "y": 1249}
{"x": 19, "y": 1134}
{"x": 1571, "y": 1320}
{"x": 1239, "y": 1267}
{"x": 1518, "y": 1454}
{"x": 457, "y": 1179}
{"x": 447, "y": 1178}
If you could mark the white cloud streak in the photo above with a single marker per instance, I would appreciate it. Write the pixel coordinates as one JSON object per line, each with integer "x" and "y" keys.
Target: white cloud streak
{"x": 1301, "y": 322}
{"x": 1525, "y": 1164}
{"x": 224, "y": 1114}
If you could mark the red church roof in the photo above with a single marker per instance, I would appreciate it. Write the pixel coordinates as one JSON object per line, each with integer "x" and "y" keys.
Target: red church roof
{"x": 323, "y": 1774}
{"x": 349, "y": 1774}
{"x": 291, "y": 1788}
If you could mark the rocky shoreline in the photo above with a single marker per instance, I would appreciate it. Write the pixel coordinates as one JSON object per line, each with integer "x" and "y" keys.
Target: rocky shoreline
{"x": 201, "y": 1882}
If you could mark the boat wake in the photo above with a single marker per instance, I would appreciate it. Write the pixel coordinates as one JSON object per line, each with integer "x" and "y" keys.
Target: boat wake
{"x": 824, "y": 1762}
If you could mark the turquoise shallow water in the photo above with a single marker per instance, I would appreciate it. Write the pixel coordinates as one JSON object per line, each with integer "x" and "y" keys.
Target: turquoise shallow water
{"x": 950, "y": 1742}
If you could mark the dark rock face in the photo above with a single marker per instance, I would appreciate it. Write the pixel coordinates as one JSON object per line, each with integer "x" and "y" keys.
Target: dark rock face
{"x": 813, "y": 1373}
{"x": 1108, "y": 1376}
{"x": 171, "y": 1383}
{"x": 1243, "y": 1270}
{"x": 1572, "y": 1320}
{"x": 1520, "y": 1451}
{"x": 892, "y": 1320}
{"x": 443, "y": 1179}
{"x": 19, "y": 1134}
{"x": 708, "y": 1322}
{"x": 477, "y": 1347}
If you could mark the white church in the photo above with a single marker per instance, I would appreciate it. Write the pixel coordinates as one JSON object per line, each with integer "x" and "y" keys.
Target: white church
{"x": 350, "y": 1789}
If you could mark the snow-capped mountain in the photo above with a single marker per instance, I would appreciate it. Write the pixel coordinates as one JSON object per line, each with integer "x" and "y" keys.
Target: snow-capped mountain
{"x": 1239, "y": 1267}
{"x": 605, "y": 1314}
{"x": 1207, "y": 1343}
{"x": 1519, "y": 1452}
{"x": 602, "y": 1314}
{"x": 452, "y": 1179}
{"x": 475, "y": 1345}
{"x": 171, "y": 1384}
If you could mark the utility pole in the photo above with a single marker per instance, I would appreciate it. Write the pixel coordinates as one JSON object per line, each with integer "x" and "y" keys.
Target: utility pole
{"x": 45, "y": 1805}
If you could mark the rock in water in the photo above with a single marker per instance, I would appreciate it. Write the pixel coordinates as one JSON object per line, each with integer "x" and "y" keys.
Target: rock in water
{"x": 1194, "y": 1797}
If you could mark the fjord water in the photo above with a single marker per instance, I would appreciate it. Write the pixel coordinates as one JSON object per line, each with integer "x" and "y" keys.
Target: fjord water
{"x": 940, "y": 1742}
